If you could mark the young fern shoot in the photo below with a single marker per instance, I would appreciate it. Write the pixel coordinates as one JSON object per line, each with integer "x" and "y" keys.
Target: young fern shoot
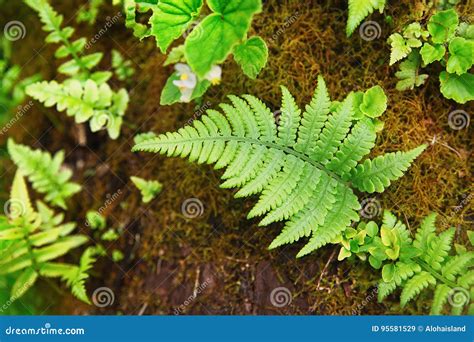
{"x": 85, "y": 95}
{"x": 148, "y": 189}
{"x": 305, "y": 169}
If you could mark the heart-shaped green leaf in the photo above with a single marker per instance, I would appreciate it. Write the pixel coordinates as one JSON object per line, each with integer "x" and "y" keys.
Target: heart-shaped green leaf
{"x": 171, "y": 18}
{"x": 442, "y": 26}
{"x": 459, "y": 88}
{"x": 215, "y": 37}
{"x": 252, "y": 56}
{"x": 374, "y": 262}
{"x": 372, "y": 229}
{"x": 461, "y": 56}
{"x": 388, "y": 272}
{"x": 374, "y": 102}
{"x": 343, "y": 254}
{"x": 431, "y": 53}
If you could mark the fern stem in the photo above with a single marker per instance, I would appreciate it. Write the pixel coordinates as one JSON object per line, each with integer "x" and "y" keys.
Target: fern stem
{"x": 26, "y": 233}
{"x": 75, "y": 56}
{"x": 73, "y": 53}
{"x": 255, "y": 142}
{"x": 54, "y": 286}
{"x": 67, "y": 43}
{"x": 54, "y": 121}
{"x": 435, "y": 274}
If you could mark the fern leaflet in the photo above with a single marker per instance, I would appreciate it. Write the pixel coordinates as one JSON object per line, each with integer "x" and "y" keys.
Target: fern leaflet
{"x": 46, "y": 173}
{"x": 359, "y": 10}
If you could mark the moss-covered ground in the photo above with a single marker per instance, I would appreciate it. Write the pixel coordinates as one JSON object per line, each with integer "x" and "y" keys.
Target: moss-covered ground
{"x": 220, "y": 255}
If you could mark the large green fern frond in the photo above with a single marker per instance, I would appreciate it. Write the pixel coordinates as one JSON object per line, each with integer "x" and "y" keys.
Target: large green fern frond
{"x": 305, "y": 168}
{"x": 359, "y": 10}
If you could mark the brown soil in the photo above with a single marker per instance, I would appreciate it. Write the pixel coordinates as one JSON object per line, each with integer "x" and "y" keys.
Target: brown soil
{"x": 220, "y": 256}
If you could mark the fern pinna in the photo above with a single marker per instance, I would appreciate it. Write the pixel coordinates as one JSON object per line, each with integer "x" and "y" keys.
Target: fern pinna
{"x": 359, "y": 10}
{"x": 46, "y": 172}
{"x": 30, "y": 241}
{"x": 415, "y": 264}
{"x": 304, "y": 168}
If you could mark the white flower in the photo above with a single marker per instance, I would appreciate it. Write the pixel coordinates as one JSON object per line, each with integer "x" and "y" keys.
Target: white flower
{"x": 215, "y": 75}
{"x": 187, "y": 81}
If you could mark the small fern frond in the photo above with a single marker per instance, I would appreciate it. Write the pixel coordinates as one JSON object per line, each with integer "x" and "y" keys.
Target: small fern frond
{"x": 341, "y": 215}
{"x": 85, "y": 101}
{"x": 335, "y": 130}
{"x": 414, "y": 265}
{"x": 359, "y": 10}
{"x": 456, "y": 264}
{"x": 438, "y": 248}
{"x": 76, "y": 280}
{"x": 405, "y": 271}
{"x": 415, "y": 285}
{"x": 384, "y": 289}
{"x": 427, "y": 228}
{"x": 377, "y": 174}
{"x": 79, "y": 64}
{"x": 314, "y": 119}
{"x": 357, "y": 144}
{"x": 440, "y": 297}
{"x": 29, "y": 244}
{"x": 289, "y": 120}
{"x": 303, "y": 167}
{"x": 467, "y": 279}
{"x": 85, "y": 94}
{"x": 148, "y": 189}
{"x": 46, "y": 173}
